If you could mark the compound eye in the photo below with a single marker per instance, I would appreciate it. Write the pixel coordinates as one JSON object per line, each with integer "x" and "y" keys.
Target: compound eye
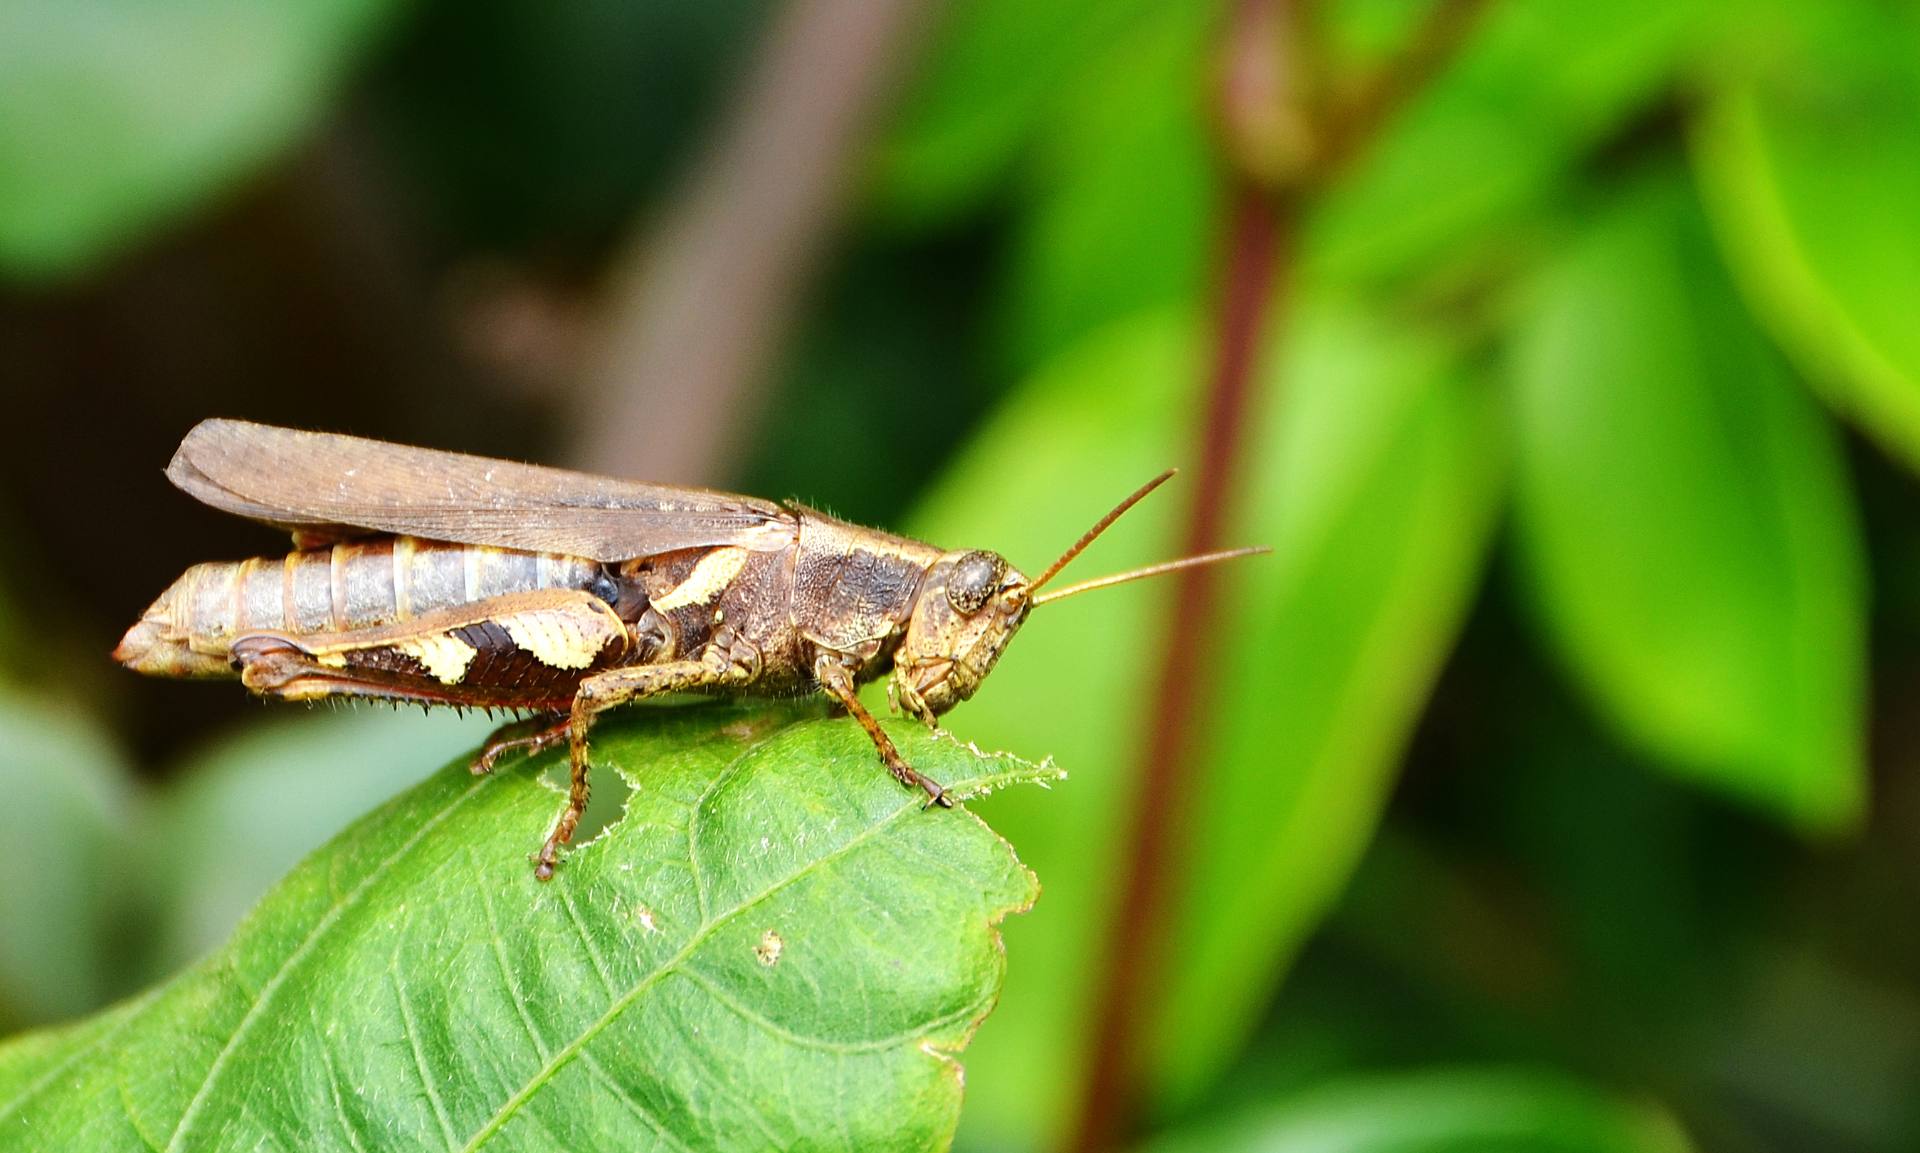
{"x": 975, "y": 578}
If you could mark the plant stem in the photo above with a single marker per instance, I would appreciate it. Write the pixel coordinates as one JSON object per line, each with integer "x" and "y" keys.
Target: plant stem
{"x": 1281, "y": 153}
{"x": 1255, "y": 99}
{"x": 698, "y": 304}
{"x": 1357, "y": 122}
{"x": 1259, "y": 236}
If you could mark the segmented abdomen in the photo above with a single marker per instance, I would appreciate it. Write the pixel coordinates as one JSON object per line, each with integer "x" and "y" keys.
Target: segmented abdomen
{"x": 361, "y": 584}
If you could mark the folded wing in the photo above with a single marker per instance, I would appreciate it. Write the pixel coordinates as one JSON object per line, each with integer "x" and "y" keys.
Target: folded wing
{"x": 325, "y": 485}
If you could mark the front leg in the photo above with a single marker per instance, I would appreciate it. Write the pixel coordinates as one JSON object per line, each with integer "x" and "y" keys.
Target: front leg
{"x": 904, "y": 695}
{"x": 831, "y": 671}
{"x": 607, "y": 690}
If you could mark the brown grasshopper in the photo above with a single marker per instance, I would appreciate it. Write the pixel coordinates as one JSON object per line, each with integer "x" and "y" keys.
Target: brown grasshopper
{"x": 441, "y": 578}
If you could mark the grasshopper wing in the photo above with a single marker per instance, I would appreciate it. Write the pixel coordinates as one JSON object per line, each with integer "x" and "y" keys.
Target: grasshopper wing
{"x": 326, "y": 486}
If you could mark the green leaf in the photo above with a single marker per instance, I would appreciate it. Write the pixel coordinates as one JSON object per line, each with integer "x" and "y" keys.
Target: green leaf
{"x": 67, "y": 799}
{"x": 1379, "y": 488}
{"x": 1124, "y": 187}
{"x": 1811, "y": 169}
{"x": 118, "y": 115}
{"x": 993, "y": 69}
{"x": 775, "y": 946}
{"x": 1686, "y": 517}
{"x": 1492, "y": 137}
{"x": 53, "y": 1083}
{"x": 1374, "y": 470}
{"x": 243, "y": 812}
{"x": 1443, "y": 1111}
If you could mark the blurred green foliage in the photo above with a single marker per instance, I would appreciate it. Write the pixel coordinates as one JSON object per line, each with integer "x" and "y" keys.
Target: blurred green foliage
{"x": 1379, "y": 510}
{"x": 1687, "y": 516}
{"x": 1555, "y": 790}
{"x": 1468, "y": 176}
{"x": 67, "y": 809}
{"x": 123, "y": 115}
{"x": 1810, "y": 150}
{"x": 1495, "y": 1111}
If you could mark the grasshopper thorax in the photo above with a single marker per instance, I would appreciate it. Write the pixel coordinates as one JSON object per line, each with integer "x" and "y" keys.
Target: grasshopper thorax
{"x": 968, "y": 607}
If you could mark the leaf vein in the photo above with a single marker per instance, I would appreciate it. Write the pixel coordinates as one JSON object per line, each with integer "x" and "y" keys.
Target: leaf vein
{"x": 133, "y": 1119}
{"x": 821, "y": 1044}
{"x": 320, "y": 928}
{"x": 586, "y": 942}
{"x": 508, "y": 977}
{"x": 700, "y": 937}
{"x": 638, "y": 1107}
{"x": 347, "y": 1126}
{"x": 420, "y": 1058}
{"x": 726, "y": 773}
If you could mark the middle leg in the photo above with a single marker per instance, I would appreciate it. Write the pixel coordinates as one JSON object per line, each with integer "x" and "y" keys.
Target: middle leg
{"x": 604, "y": 691}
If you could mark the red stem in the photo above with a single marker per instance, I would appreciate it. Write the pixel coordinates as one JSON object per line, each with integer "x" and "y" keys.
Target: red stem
{"x": 1258, "y": 236}
{"x": 1281, "y": 153}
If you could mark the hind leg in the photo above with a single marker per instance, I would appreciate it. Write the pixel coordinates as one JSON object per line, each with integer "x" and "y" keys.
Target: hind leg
{"x": 607, "y": 690}
{"x": 532, "y": 736}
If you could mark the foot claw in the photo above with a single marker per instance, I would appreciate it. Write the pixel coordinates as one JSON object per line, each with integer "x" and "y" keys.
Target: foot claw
{"x": 532, "y": 744}
{"x": 547, "y": 860}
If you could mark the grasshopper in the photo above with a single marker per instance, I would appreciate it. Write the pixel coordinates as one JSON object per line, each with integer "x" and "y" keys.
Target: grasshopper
{"x": 445, "y": 579}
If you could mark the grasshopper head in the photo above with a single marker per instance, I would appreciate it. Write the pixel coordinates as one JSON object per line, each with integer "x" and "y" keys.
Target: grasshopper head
{"x": 970, "y": 605}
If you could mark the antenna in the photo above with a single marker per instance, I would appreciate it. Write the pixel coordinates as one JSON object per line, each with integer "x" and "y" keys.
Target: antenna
{"x": 1148, "y": 571}
{"x": 1099, "y": 527}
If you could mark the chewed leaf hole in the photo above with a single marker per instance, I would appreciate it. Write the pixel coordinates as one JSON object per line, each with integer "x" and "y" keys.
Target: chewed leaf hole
{"x": 606, "y": 805}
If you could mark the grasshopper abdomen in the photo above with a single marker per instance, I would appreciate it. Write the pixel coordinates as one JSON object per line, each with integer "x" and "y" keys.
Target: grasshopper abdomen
{"x": 351, "y": 587}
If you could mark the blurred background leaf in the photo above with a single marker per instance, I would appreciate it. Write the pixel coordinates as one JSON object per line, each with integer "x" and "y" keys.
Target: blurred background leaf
{"x": 123, "y": 115}
{"x": 69, "y": 801}
{"x": 1810, "y": 156}
{"x": 1120, "y": 189}
{"x": 1686, "y": 516}
{"x": 1384, "y": 484}
{"x": 991, "y": 70}
{"x": 1442, "y": 1111}
{"x": 1379, "y": 505}
{"x": 1498, "y": 134}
